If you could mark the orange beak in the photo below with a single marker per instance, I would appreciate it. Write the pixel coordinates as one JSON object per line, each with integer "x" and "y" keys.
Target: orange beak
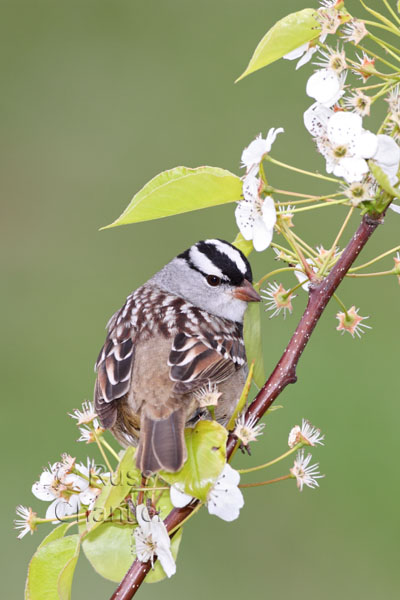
{"x": 246, "y": 292}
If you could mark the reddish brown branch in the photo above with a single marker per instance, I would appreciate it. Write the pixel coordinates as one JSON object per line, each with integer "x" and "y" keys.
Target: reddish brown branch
{"x": 283, "y": 374}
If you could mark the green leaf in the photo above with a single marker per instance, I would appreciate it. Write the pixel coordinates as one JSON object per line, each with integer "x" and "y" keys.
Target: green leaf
{"x": 64, "y": 584}
{"x": 383, "y": 180}
{"x": 206, "y": 446}
{"x": 243, "y": 245}
{"x": 252, "y": 341}
{"x": 109, "y": 549}
{"x": 114, "y": 492}
{"x": 55, "y": 534}
{"x": 51, "y": 569}
{"x": 181, "y": 190}
{"x": 242, "y": 399}
{"x": 289, "y": 33}
{"x": 398, "y": 6}
{"x": 158, "y": 573}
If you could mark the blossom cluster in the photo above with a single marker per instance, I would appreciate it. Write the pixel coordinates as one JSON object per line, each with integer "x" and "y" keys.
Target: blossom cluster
{"x": 72, "y": 488}
{"x": 335, "y": 122}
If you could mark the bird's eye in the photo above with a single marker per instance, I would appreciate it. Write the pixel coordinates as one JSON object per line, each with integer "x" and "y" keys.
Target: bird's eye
{"x": 213, "y": 280}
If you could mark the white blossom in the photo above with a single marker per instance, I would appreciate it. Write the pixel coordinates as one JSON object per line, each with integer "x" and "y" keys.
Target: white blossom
{"x": 304, "y": 474}
{"x": 255, "y": 216}
{"x": 302, "y": 277}
{"x": 316, "y": 119}
{"x": 247, "y": 430}
{"x": 86, "y": 415}
{"x": 359, "y": 102}
{"x": 325, "y": 86}
{"x": 257, "y": 149}
{"x": 354, "y": 31}
{"x": 60, "y": 488}
{"x": 303, "y": 52}
{"x": 346, "y": 146}
{"x": 152, "y": 539}
{"x": 224, "y": 498}
{"x": 91, "y": 473}
{"x": 332, "y": 59}
{"x": 361, "y": 191}
{"x": 208, "y": 395}
{"x": 306, "y": 433}
{"x": 387, "y": 157}
{"x": 88, "y": 432}
{"x": 27, "y": 521}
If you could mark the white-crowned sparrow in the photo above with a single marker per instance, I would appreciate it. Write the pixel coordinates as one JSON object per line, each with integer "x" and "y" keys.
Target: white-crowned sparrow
{"x": 179, "y": 332}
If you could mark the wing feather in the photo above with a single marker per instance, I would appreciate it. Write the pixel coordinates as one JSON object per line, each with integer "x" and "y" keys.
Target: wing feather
{"x": 196, "y": 361}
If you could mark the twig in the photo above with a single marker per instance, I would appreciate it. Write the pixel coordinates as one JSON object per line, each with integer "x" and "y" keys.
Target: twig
{"x": 283, "y": 374}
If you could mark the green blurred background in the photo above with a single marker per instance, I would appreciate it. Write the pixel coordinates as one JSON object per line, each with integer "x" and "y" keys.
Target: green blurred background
{"x": 98, "y": 97}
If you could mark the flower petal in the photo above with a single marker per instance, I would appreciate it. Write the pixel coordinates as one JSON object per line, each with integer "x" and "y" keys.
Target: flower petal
{"x": 297, "y": 52}
{"x": 269, "y": 212}
{"x": 388, "y": 152}
{"x": 250, "y": 187}
{"x": 366, "y": 144}
{"x": 60, "y": 508}
{"x": 351, "y": 169}
{"x": 229, "y": 475}
{"x": 307, "y": 56}
{"x": 42, "y": 492}
{"x": 167, "y": 560}
{"x": 179, "y": 499}
{"x": 316, "y": 119}
{"x": 300, "y": 276}
{"x": 252, "y": 155}
{"x": 143, "y": 519}
{"x": 262, "y": 235}
{"x": 246, "y": 214}
{"x": 344, "y": 128}
{"x": 325, "y": 86}
{"x": 272, "y": 135}
{"x": 227, "y": 504}
{"x": 89, "y": 496}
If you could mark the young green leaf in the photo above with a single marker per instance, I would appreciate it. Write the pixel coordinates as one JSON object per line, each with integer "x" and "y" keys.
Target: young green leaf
{"x": 51, "y": 569}
{"x": 252, "y": 341}
{"x": 114, "y": 492}
{"x": 181, "y": 190}
{"x": 289, "y": 33}
{"x": 383, "y": 180}
{"x": 109, "y": 549}
{"x": 206, "y": 447}
{"x": 55, "y": 534}
{"x": 243, "y": 398}
{"x": 243, "y": 245}
{"x": 64, "y": 583}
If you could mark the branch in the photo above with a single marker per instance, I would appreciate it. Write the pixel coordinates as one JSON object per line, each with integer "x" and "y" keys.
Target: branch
{"x": 283, "y": 374}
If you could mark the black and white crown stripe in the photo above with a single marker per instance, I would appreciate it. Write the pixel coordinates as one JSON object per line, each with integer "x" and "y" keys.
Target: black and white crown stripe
{"x": 233, "y": 253}
{"x": 217, "y": 257}
{"x": 200, "y": 261}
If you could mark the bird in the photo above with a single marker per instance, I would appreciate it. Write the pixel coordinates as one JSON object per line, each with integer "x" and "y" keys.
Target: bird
{"x": 181, "y": 332}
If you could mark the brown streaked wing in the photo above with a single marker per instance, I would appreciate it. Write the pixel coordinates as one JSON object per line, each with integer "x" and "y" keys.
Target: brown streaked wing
{"x": 195, "y": 362}
{"x": 114, "y": 368}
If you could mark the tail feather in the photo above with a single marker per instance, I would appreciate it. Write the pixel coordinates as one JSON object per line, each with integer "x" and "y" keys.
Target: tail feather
{"x": 161, "y": 444}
